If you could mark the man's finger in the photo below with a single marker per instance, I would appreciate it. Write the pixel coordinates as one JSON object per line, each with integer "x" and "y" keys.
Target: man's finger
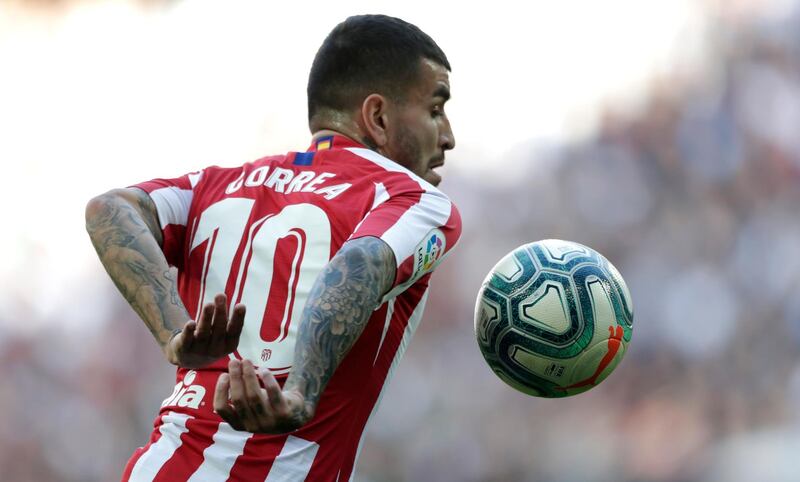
{"x": 238, "y": 393}
{"x": 235, "y": 327}
{"x": 274, "y": 393}
{"x": 203, "y": 331}
{"x": 255, "y": 395}
{"x": 187, "y": 336}
{"x": 219, "y": 323}
{"x": 221, "y": 405}
{"x": 229, "y": 415}
{"x": 221, "y": 392}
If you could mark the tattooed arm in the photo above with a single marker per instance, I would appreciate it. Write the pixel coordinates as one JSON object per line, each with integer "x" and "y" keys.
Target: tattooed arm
{"x": 343, "y": 297}
{"x": 123, "y": 226}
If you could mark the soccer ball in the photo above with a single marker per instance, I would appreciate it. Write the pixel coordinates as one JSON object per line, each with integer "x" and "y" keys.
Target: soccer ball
{"x": 553, "y": 318}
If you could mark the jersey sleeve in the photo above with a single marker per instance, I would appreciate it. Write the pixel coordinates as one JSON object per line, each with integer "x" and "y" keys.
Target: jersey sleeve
{"x": 173, "y": 199}
{"x": 418, "y": 222}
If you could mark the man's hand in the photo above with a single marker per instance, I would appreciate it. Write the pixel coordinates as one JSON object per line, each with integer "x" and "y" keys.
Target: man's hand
{"x": 208, "y": 339}
{"x": 254, "y": 401}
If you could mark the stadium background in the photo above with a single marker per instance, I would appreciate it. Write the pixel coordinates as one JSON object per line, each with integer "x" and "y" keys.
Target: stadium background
{"x": 664, "y": 134}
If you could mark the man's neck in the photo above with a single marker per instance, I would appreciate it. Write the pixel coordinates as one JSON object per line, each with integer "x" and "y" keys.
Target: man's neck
{"x": 331, "y": 132}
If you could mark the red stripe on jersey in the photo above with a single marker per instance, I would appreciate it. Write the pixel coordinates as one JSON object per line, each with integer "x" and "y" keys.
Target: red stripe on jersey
{"x": 452, "y": 228}
{"x": 172, "y": 245}
{"x": 188, "y": 457}
{"x": 257, "y": 458}
{"x": 383, "y": 364}
{"x": 182, "y": 182}
{"x": 403, "y": 189}
{"x": 346, "y": 405}
{"x": 406, "y": 269}
{"x": 378, "y": 221}
{"x": 137, "y": 454}
{"x": 382, "y": 219}
{"x": 126, "y": 474}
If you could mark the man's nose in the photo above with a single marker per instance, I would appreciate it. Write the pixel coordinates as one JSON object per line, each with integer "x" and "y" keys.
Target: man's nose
{"x": 447, "y": 140}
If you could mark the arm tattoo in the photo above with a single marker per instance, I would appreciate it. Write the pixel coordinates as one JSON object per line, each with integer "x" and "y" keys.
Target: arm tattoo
{"x": 124, "y": 228}
{"x": 341, "y": 302}
{"x": 147, "y": 208}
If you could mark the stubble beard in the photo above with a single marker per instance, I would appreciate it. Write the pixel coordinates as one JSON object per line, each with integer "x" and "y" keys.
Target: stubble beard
{"x": 410, "y": 154}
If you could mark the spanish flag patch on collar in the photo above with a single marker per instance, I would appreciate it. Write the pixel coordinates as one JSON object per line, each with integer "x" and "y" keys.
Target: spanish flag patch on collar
{"x": 324, "y": 143}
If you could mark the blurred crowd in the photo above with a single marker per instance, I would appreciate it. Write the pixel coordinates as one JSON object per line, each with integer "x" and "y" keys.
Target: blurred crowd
{"x": 694, "y": 197}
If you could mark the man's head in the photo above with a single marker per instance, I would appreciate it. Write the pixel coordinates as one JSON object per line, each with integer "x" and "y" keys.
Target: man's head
{"x": 384, "y": 82}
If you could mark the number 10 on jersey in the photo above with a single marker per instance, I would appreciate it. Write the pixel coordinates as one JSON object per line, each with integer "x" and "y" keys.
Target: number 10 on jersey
{"x": 280, "y": 256}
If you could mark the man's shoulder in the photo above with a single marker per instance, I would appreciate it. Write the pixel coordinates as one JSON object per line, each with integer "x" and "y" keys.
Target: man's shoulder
{"x": 390, "y": 172}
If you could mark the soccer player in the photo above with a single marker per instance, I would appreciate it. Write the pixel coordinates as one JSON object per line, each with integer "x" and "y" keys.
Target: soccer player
{"x": 330, "y": 250}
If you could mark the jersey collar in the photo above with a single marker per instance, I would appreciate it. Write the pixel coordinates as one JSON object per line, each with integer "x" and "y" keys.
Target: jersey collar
{"x": 332, "y": 142}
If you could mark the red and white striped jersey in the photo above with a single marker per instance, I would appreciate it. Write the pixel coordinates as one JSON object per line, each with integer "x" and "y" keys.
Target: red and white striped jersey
{"x": 261, "y": 233}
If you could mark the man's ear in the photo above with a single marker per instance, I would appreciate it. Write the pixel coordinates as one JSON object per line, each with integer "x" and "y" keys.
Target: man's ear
{"x": 374, "y": 117}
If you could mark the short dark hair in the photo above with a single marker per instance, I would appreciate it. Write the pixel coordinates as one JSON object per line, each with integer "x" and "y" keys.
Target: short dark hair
{"x": 368, "y": 54}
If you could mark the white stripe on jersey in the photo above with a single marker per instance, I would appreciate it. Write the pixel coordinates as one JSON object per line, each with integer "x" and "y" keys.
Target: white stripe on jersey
{"x": 381, "y": 196}
{"x": 294, "y": 462}
{"x": 390, "y": 165}
{"x": 150, "y": 462}
{"x": 172, "y": 205}
{"x": 386, "y": 323}
{"x": 411, "y": 327}
{"x": 219, "y": 457}
{"x": 432, "y": 211}
{"x": 194, "y": 178}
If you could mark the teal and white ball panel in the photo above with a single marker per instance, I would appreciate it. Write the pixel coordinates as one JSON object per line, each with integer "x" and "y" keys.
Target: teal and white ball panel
{"x": 623, "y": 295}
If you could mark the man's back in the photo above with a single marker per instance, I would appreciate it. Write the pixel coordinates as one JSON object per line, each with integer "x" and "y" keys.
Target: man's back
{"x": 261, "y": 234}
{"x": 326, "y": 256}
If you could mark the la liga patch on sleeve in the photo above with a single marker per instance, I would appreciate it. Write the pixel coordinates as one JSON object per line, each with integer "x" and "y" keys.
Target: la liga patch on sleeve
{"x": 429, "y": 252}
